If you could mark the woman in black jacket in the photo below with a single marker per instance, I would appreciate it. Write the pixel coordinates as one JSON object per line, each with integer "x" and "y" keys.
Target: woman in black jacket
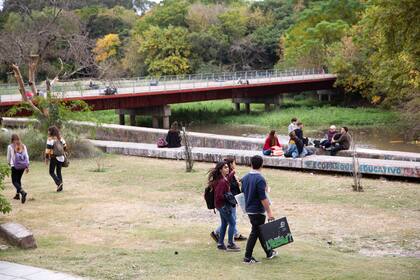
{"x": 173, "y": 138}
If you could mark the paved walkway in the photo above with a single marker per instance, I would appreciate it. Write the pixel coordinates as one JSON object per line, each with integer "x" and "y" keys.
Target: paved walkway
{"x": 9, "y": 271}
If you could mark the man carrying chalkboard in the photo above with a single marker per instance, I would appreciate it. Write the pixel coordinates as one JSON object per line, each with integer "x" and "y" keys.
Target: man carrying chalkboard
{"x": 256, "y": 204}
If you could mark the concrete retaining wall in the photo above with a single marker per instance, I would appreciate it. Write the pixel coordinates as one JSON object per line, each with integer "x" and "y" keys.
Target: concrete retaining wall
{"x": 314, "y": 162}
{"x": 114, "y": 132}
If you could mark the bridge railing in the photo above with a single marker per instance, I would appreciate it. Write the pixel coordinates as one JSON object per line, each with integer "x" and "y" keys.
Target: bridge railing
{"x": 77, "y": 88}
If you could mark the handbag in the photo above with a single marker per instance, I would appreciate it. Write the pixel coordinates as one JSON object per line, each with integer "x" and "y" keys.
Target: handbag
{"x": 275, "y": 234}
{"x": 230, "y": 199}
{"x": 66, "y": 162}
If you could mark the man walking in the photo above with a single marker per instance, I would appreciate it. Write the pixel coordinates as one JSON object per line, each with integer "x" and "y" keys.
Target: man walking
{"x": 257, "y": 204}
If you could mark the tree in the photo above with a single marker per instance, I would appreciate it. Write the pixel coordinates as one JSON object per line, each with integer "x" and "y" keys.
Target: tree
{"x": 166, "y": 51}
{"x": 324, "y": 23}
{"x": 107, "y": 47}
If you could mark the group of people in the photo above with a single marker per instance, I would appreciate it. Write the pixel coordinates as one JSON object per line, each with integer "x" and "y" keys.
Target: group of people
{"x": 18, "y": 160}
{"x": 297, "y": 146}
{"x": 224, "y": 183}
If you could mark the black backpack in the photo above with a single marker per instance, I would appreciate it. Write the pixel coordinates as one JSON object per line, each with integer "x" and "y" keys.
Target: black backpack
{"x": 209, "y": 197}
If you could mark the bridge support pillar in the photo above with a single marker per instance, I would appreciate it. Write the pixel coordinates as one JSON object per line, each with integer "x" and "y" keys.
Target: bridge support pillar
{"x": 156, "y": 112}
{"x": 328, "y": 93}
{"x": 277, "y": 100}
{"x": 122, "y": 119}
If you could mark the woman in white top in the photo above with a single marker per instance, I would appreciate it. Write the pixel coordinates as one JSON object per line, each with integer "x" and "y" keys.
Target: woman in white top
{"x": 18, "y": 160}
{"x": 55, "y": 154}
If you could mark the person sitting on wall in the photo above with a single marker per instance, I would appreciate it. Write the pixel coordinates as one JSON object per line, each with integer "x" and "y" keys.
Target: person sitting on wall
{"x": 173, "y": 138}
{"x": 296, "y": 148}
{"x": 299, "y": 133}
{"x": 342, "y": 143}
{"x": 292, "y": 126}
{"x": 272, "y": 145}
{"x": 329, "y": 137}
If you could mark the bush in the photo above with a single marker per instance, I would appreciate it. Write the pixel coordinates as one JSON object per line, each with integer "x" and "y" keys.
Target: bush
{"x": 5, "y": 206}
{"x": 35, "y": 141}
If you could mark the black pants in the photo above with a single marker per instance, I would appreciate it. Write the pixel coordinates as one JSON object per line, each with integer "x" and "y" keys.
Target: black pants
{"x": 256, "y": 220}
{"x": 55, "y": 171}
{"x": 335, "y": 149}
{"x": 16, "y": 179}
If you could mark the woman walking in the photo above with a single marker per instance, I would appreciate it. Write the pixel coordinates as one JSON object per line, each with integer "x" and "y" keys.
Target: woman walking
{"x": 18, "y": 160}
{"x": 219, "y": 182}
{"x": 55, "y": 153}
{"x": 235, "y": 190}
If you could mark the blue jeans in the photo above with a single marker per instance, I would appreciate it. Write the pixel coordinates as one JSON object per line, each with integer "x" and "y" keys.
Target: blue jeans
{"x": 226, "y": 218}
{"x": 292, "y": 151}
{"x": 267, "y": 152}
{"x": 235, "y": 233}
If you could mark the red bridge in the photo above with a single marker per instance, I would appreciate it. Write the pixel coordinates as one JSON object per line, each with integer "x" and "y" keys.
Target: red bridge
{"x": 151, "y": 97}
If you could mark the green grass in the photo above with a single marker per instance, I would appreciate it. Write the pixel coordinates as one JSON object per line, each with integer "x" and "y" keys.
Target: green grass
{"x": 312, "y": 113}
{"x": 146, "y": 219}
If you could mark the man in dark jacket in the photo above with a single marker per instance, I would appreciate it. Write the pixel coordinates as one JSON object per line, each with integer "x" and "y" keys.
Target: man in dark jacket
{"x": 343, "y": 143}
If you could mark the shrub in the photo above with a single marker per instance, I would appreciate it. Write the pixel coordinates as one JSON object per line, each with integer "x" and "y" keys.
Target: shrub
{"x": 5, "y": 206}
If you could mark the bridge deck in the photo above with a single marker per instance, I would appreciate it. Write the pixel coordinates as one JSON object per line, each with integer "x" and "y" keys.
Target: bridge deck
{"x": 169, "y": 93}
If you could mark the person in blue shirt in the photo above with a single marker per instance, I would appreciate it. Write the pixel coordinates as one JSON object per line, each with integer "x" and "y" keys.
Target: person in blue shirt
{"x": 257, "y": 204}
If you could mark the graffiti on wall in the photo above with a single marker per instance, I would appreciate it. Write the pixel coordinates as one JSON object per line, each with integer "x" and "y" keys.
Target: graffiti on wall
{"x": 364, "y": 168}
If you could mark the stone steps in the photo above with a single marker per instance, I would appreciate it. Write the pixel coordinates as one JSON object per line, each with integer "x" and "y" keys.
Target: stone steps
{"x": 379, "y": 167}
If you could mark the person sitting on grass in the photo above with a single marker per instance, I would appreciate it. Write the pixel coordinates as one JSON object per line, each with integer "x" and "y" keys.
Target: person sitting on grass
{"x": 173, "y": 138}
{"x": 257, "y": 205}
{"x": 218, "y": 180}
{"x": 272, "y": 145}
{"x": 292, "y": 126}
{"x": 329, "y": 137}
{"x": 235, "y": 190}
{"x": 343, "y": 143}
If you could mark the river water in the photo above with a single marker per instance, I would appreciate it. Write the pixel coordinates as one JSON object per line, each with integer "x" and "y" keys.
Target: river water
{"x": 374, "y": 138}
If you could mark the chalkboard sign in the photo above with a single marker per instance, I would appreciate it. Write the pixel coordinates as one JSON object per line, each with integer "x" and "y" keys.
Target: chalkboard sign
{"x": 276, "y": 233}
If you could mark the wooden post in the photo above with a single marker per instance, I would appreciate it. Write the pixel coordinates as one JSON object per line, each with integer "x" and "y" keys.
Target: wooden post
{"x": 237, "y": 107}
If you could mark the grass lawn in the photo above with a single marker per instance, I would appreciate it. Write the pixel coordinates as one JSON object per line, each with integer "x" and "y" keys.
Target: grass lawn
{"x": 146, "y": 219}
{"x": 313, "y": 114}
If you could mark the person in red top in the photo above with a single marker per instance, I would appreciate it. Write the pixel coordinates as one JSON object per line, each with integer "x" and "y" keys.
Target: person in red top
{"x": 218, "y": 180}
{"x": 271, "y": 144}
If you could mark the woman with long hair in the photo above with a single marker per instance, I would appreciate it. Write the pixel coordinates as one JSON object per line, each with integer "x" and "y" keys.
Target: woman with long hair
{"x": 218, "y": 181}
{"x": 55, "y": 154}
{"x": 18, "y": 160}
{"x": 173, "y": 138}
{"x": 272, "y": 144}
{"x": 234, "y": 189}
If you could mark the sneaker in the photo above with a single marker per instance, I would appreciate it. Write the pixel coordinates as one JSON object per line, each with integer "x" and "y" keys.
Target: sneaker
{"x": 240, "y": 237}
{"x": 250, "y": 260}
{"x": 272, "y": 255}
{"x": 221, "y": 247}
{"x": 215, "y": 236}
{"x": 17, "y": 196}
{"x": 23, "y": 197}
{"x": 233, "y": 248}
{"x": 60, "y": 187}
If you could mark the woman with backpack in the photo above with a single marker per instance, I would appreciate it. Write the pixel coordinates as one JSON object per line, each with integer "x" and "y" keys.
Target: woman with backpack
{"x": 18, "y": 160}
{"x": 55, "y": 153}
{"x": 218, "y": 180}
{"x": 235, "y": 190}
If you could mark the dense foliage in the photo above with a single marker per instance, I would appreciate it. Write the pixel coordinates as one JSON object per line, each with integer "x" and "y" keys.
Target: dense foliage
{"x": 371, "y": 44}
